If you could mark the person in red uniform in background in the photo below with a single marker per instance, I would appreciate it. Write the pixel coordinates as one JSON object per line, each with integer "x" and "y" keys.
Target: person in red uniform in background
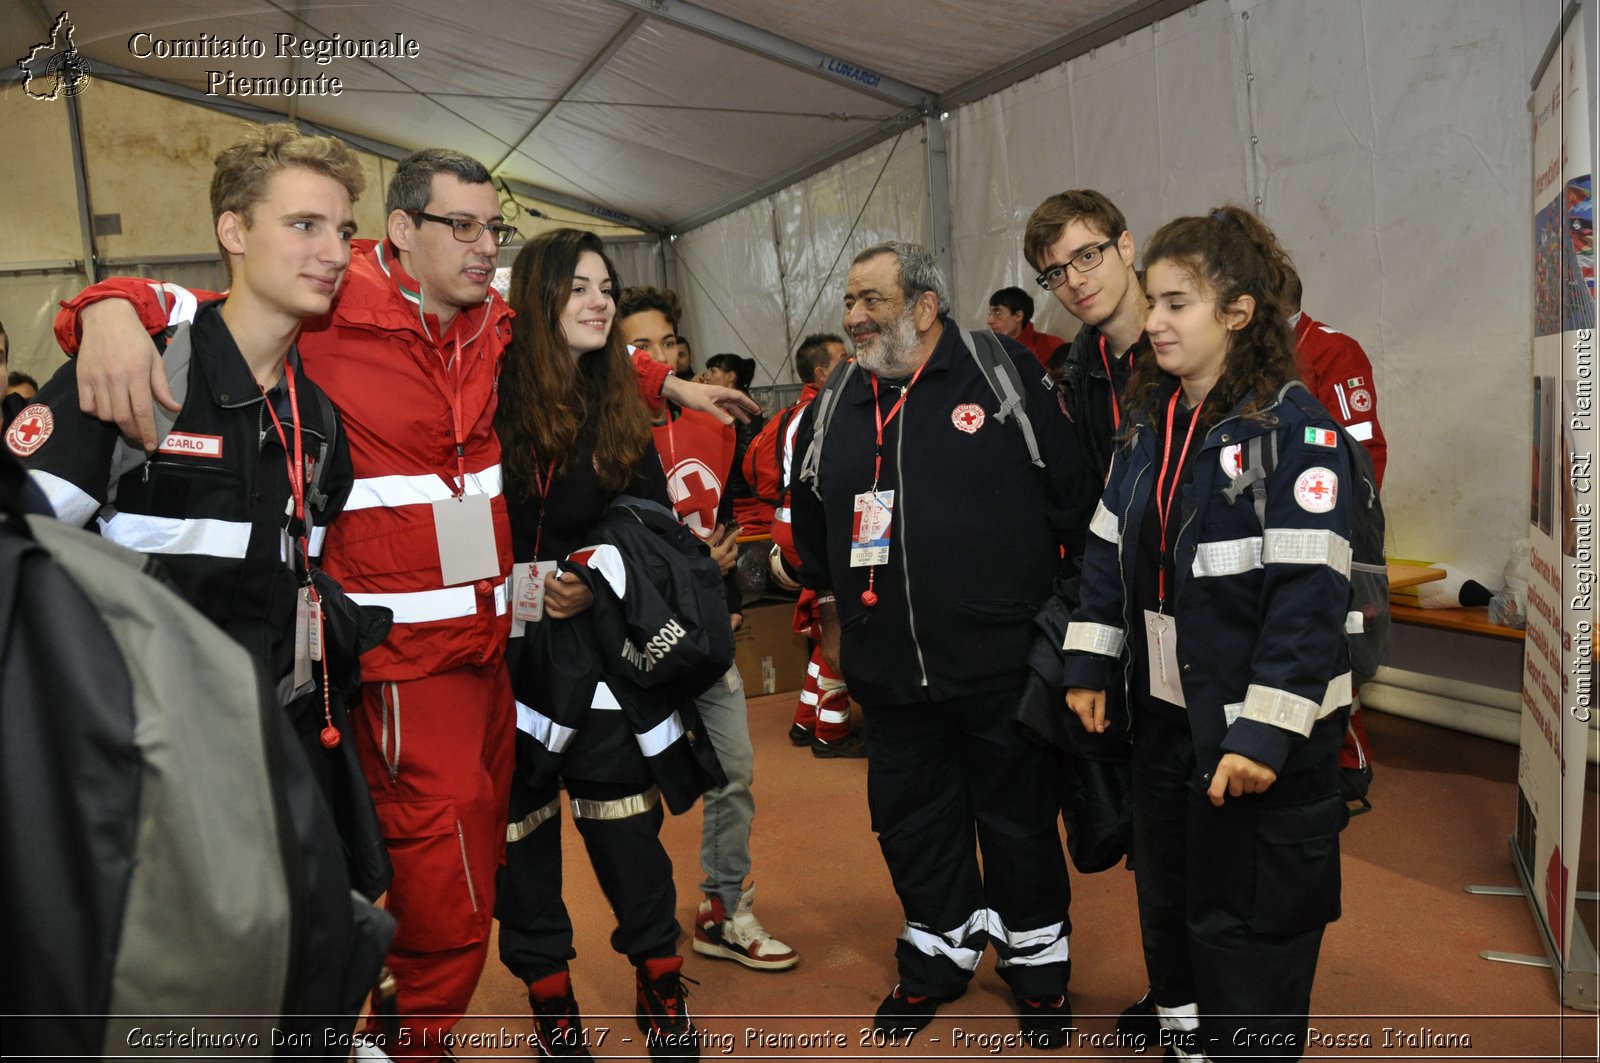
{"x": 1339, "y": 373}
{"x": 822, "y": 716}
{"x": 410, "y": 355}
{"x": 1011, "y": 314}
{"x": 698, "y": 456}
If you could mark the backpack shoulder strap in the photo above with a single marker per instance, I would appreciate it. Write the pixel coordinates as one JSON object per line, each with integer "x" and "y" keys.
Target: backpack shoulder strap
{"x": 1001, "y": 373}
{"x": 175, "y": 360}
{"x": 821, "y": 415}
{"x": 315, "y": 495}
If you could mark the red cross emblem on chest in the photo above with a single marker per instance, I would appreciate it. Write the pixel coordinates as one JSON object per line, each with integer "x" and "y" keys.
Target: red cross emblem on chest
{"x": 695, "y": 492}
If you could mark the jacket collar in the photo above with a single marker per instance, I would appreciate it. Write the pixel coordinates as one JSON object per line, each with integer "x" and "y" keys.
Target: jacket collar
{"x": 226, "y": 372}
{"x": 402, "y": 307}
{"x": 943, "y": 351}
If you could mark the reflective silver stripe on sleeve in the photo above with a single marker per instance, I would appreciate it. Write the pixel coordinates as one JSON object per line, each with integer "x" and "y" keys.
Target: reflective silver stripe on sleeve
{"x": 662, "y": 735}
{"x": 178, "y": 535}
{"x": 1307, "y": 546}
{"x": 71, "y": 503}
{"x": 1104, "y": 525}
{"x": 1094, "y": 638}
{"x": 542, "y": 729}
{"x": 1354, "y": 622}
{"x": 1228, "y": 557}
{"x": 1231, "y": 712}
{"x": 519, "y": 830}
{"x": 1361, "y": 431}
{"x": 621, "y": 808}
{"x": 1290, "y": 711}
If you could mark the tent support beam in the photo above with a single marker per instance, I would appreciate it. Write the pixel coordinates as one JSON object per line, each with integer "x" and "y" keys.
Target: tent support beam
{"x": 938, "y": 158}
{"x": 382, "y": 149}
{"x": 593, "y": 67}
{"x": 792, "y": 53}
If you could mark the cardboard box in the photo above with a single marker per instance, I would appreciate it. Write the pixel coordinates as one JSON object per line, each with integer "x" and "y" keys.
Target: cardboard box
{"x": 770, "y": 657}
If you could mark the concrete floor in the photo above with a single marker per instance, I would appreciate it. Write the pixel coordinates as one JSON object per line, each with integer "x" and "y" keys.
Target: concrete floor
{"x": 1403, "y": 958}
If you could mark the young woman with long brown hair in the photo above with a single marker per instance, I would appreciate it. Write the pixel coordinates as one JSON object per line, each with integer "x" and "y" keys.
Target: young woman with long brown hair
{"x": 575, "y": 435}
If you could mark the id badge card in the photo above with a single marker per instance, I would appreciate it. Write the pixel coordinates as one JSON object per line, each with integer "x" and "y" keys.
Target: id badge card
{"x": 302, "y": 639}
{"x": 1161, "y": 644}
{"x": 869, "y": 531}
{"x": 465, "y": 530}
{"x": 314, "y": 626}
{"x": 528, "y": 587}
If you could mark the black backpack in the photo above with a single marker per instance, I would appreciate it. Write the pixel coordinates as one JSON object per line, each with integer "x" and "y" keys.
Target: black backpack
{"x": 1369, "y": 572}
{"x": 173, "y": 877}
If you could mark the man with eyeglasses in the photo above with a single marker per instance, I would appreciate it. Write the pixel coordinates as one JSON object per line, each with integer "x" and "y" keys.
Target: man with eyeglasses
{"x": 1079, "y": 243}
{"x": 410, "y": 355}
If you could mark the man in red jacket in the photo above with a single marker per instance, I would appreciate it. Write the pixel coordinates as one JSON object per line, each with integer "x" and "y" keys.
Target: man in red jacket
{"x": 410, "y": 355}
{"x": 1011, "y": 314}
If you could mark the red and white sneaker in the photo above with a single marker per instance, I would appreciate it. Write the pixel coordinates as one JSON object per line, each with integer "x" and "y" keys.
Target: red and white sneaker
{"x": 739, "y": 937}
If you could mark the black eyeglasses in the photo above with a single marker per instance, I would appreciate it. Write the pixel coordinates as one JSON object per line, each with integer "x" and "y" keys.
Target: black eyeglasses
{"x": 467, "y": 230}
{"x": 1083, "y": 262}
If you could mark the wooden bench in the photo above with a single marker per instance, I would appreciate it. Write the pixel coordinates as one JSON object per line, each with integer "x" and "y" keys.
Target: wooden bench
{"x": 1473, "y": 620}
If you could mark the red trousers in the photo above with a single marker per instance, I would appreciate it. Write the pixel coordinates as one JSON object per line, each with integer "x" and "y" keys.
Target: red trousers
{"x": 437, "y": 755}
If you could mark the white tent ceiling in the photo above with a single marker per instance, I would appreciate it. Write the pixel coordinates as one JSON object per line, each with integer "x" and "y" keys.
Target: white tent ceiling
{"x": 653, "y": 112}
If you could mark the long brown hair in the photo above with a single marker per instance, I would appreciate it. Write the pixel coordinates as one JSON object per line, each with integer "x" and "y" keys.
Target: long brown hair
{"x": 1232, "y": 253}
{"x": 546, "y": 397}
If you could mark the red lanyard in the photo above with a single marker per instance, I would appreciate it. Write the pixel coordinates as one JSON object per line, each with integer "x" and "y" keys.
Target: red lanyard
{"x": 452, "y": 368}
{"x": 884, "y": 422}
{"x": 1163, "y": 511}
{"x": 296, "y": 461}
{"x": 1116, "y": 407}
{"x": 542, "y": 485}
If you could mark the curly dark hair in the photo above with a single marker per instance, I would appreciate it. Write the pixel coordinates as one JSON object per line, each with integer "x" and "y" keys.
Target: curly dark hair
{"x": 547, "y": 395}
{"x": 1232, "y": 253}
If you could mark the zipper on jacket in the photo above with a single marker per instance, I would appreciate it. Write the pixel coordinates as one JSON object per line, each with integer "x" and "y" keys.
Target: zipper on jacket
{"x": 905, "y": 566}
{"x": 466, "y": 865}
{"x": 383, "y": 734}
{"x": 1127, "y": 597}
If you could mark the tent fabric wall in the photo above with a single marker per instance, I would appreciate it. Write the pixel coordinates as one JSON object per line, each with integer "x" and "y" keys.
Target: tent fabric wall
{"x": 761, "y": 279}
{"x": 731, "y": 290}
{"x": 1389, "y": 150}
{"x": 1088, "y": 124}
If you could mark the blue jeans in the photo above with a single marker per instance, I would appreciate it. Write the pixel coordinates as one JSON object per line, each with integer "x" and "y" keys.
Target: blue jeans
{"x": 725, "y": 835}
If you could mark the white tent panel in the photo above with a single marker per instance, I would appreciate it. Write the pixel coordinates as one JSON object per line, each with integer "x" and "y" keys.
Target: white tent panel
{"x": 731, "y": 291}
{"x": 933, "y": 43}
{"x": 1154, "y": 121}
{"x": 880, "y": 194}
{"x": 639, "y": 262}
{"x": 1388, "y": 184}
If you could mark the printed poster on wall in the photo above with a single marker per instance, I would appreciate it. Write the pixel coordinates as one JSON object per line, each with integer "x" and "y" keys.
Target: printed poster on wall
{"x": 1557, "y": 687}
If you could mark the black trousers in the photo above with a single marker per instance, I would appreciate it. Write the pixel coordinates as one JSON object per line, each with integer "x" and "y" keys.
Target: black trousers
{"x": 634, "y": 870}
{"x": 944, "y": 779}
{"x": 1233, "y": 900}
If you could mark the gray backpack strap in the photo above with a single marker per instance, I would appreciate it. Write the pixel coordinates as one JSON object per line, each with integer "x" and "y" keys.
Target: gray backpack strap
{"x": 821, "y": 413}
{"x": 315, "y": 496}
{"x": 1001, "y": 373}
{"x": 175, "y": 359}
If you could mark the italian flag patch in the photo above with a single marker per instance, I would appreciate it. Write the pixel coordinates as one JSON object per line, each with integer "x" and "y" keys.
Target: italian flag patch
{"x": 1322, "y": 437}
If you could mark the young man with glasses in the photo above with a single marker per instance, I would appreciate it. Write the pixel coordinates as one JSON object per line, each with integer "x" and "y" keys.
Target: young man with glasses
{"x": 1080, "y": 244}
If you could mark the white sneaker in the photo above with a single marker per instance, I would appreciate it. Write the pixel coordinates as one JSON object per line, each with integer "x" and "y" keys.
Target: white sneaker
{"x": 740, "y": 937}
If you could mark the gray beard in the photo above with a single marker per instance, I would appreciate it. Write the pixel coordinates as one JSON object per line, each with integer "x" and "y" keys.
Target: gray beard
{"x": 894, "y": 355}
